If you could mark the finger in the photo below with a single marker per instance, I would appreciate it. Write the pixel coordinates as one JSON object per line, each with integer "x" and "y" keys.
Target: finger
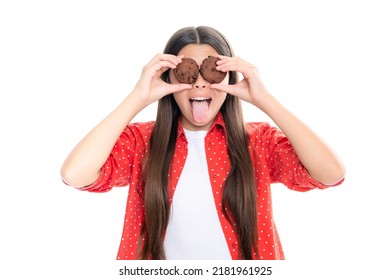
{"x": 228, "y": 61}
{"x": 246, "y": 69}
{"x": 230, "y": 65}
{"x": 172, "y": 58}
{"x": 221, "y": 87}
{"x": 231, "y": 89}
{"x": 165, "y": 57}
{"x": 179, "y": 87}
{"x": 223, "y": 60}
{"x": 222, "y": 57}
{"x": 160, "y": 67}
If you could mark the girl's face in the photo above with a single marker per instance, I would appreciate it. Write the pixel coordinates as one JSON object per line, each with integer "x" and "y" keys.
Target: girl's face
{"x": 199, "y": 105}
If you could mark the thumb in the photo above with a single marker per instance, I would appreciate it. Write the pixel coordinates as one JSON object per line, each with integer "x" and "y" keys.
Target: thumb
{"x": 220, "y": 87}
{"x": 179, "y": 87}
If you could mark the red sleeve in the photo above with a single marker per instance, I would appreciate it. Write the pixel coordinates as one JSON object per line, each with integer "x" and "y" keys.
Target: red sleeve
{"x": 283, "y": 163}
{"x": 117, "y": 169}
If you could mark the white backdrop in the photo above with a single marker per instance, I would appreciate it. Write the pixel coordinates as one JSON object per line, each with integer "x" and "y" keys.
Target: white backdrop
{"x": 64, "y": 65}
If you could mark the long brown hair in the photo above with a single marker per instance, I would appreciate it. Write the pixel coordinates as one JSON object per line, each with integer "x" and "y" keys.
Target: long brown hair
{"x": 239, "y": 195}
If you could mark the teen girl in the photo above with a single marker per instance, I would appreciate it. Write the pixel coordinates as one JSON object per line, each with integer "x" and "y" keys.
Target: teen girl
{"x": 199, "y": 178}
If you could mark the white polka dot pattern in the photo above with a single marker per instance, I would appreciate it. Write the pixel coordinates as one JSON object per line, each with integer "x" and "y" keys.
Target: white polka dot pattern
{"x": 274, "y": 161}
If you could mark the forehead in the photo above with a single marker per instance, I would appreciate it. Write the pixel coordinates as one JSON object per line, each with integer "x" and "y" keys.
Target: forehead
{"x": 198, "y": 52}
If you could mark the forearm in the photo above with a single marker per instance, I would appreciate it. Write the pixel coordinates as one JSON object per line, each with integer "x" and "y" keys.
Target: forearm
{"x": 321, "y": 163}
{"x": 82, "y": 166}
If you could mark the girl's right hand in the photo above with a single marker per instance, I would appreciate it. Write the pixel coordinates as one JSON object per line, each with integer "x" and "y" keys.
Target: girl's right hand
{"x": 150, "y": 87}
{"x": 83, "y": 165}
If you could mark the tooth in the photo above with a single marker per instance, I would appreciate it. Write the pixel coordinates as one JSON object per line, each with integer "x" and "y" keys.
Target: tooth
{"x": 200, "y": 98}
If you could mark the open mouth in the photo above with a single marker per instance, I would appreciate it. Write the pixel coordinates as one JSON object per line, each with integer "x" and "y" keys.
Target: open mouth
{"x": 200, "y": 99}
{"x": 200, "y": 107}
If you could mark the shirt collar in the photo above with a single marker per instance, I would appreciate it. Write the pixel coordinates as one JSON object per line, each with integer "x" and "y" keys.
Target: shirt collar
{"x": 217, "y": 123}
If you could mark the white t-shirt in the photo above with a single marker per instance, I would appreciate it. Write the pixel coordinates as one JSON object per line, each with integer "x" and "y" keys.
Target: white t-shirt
{"x": 194, "y": 230}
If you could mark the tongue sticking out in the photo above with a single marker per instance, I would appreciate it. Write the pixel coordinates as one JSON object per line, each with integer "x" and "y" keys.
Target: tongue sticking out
{"x": 199, "y": 110}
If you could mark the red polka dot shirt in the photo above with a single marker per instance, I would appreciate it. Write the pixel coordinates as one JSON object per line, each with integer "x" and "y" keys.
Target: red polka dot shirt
{"x": 274, "y": 161}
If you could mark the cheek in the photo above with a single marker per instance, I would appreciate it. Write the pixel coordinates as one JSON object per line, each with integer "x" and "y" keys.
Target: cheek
{"x": 223, "y": 97}
{"x": 219, "y": 99}
{"x": 180, "y": 99}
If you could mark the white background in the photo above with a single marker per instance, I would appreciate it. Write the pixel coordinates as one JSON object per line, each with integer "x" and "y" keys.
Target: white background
{"x": 64, "y": 65}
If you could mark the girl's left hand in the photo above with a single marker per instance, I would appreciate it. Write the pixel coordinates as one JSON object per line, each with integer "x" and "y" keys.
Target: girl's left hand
{"x": 250, "y": 89}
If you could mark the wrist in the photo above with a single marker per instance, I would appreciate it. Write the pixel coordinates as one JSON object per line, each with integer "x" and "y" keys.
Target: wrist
{"x": 136, "y": 101}
{"x": 266, "y": 103}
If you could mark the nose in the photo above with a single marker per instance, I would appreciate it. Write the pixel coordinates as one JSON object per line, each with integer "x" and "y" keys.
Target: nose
{"x": 200, "y": 82}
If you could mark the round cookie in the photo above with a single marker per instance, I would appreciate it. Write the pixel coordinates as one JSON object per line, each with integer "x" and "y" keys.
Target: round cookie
{"x": 187, "y": 71}
{"x": 209, "y": 72}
